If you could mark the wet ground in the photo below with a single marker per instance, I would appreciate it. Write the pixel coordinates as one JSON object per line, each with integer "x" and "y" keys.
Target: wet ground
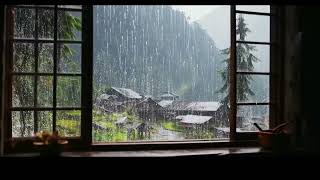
{"x": 163, "y": 134}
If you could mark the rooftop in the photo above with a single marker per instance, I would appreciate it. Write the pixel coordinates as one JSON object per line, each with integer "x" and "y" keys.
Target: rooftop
{"x": 129, "y": 93}
{"x": 195, "y": 106}
{"x": 203, "y": 106}
{"x": 193, "y": 119}
{"x": 165, "y": 103}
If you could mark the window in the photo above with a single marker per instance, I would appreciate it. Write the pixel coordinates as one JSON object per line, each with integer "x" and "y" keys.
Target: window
{"x": 252, "y": 67}
{"x": 156, "y": 72}
{"x": 45, "y": 70}
{"x": 138, "y": 73}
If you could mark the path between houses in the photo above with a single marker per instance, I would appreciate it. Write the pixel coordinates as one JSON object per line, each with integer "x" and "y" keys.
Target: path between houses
{"x": 164, "y": 134}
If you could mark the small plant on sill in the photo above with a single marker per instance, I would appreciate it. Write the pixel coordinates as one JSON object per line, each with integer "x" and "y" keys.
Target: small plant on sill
{"x": 47, "y": 138}
{"x": 48, "y": 143}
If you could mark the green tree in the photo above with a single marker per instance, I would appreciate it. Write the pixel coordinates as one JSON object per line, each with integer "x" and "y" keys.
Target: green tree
{"x": 245, "y": 60}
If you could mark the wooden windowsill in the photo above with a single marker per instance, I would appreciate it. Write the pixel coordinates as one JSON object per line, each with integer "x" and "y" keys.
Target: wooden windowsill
{"x": 166, "y": 153}
{"x": 157, "y": 153}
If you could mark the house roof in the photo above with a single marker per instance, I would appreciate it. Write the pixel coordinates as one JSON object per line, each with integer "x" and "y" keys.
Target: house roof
{"x": 178, "y": 105}
{"x": 195, "y": 106}
{"x": 194, "y": 119}
{"x": 121, "y": 120}
{"x": 129, "y": 93}
{"x": 165, "y": 103}
{"x": 148, "y": 100}
{"x": 106, "y": 96}
{"x": 203, "y": 106}
{"x": 169, "y": 94}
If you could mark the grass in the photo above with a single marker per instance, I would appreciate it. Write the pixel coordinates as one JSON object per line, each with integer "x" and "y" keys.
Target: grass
{"x": 172, "y": 126}
{"x": 112, "y": 132}
{"x": 68, "y": 127}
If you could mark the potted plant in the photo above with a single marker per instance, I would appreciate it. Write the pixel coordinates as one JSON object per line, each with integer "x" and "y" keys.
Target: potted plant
{"x": 49, "y": 144}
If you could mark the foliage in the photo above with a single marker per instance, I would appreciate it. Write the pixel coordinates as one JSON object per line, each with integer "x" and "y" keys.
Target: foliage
{"x": 245, "y": 60}
{"x": 171, "y": 126}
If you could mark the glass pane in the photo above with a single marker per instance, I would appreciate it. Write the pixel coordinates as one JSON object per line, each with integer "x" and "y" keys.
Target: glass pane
{"x": 69, "y": 123}
{"x": 22, "y": 91}
{"x": 45, "y": 23}
{"x": 70, "y": 6}
{"x": 45, "y": 121}
{"x": 254, "y": 8}
{"x": 45, "y": 59}
{"x": 45, "y": 91}
{"x": 157, "y": 72}
{"x": 70, "y": 58}
{"x": 247, "y": 115}
{"x": 23, "y": 57}
{"x": 253, "y": 28}
{"x": 24, "y": 22}
{"x": 253, "y": 58}
{"x": 69, "y": 25}
{"x": 22, "y": 123}
{"x": 252, "y": 88}
{"x": 69, "y": 91}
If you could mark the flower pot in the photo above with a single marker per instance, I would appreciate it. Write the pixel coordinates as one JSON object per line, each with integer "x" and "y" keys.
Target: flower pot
{"x": 274, "y": 141}
{"x": 52, "y": 149}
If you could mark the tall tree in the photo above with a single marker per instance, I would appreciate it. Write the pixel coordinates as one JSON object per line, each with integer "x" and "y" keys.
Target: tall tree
{"x": 245, "y": 60}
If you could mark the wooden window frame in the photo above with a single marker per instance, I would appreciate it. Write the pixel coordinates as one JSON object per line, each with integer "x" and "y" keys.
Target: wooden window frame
{"x": 83, "y": 75}
{"x": 236, "y": 139}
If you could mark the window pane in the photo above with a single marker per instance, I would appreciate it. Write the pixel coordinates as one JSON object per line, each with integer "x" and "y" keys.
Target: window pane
{"x": 23, "y": 57}
{"x": 45, "y": 91}
{"x": 24, "y": 22}
{"x": 247, "y": 115}
{"x": 45, "y": 23}
{"x": 68, "y": 123}
{"x": 69, "y": 25}
{"x": 253, "y": 58}
{"x": 22, "y": 123}
{"x": 252, "y": 88}
{"x": 69, "y": 91}
{"x": 22, "y": 91}
{"x": 253, "y": 28}
{"x": 254, "y": 8}
{"x": 45, "y": 59}
{"x": 70, "y": 58}
{"x": 157, "y": 72}
{"x": 45, "y": 121}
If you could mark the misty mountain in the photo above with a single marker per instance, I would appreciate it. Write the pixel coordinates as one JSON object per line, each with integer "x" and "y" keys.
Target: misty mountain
{"x": 152, "y": 49}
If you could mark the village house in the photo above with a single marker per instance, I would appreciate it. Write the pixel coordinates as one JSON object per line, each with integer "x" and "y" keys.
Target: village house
{"x": 124, "y": 94}
{"x": 169, "y": 96}
{"x": 149, "y": 110}
{"x": 215, "y": 110}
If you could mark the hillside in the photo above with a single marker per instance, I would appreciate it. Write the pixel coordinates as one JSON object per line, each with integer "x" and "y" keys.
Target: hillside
{"x": 152, "y": 49}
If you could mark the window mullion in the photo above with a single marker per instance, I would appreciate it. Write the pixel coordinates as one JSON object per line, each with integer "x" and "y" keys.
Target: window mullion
{"x": 87, "y": 70}
{"x": 55, "y": 50}
{"x": 232, "y": 75}
{"x": 35, "y": 112}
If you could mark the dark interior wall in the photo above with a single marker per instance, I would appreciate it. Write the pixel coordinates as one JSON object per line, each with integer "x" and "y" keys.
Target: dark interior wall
{"x": 1, "y": 73}
{"x": 309, "y": 25}
{"x": 291, "y": 37}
